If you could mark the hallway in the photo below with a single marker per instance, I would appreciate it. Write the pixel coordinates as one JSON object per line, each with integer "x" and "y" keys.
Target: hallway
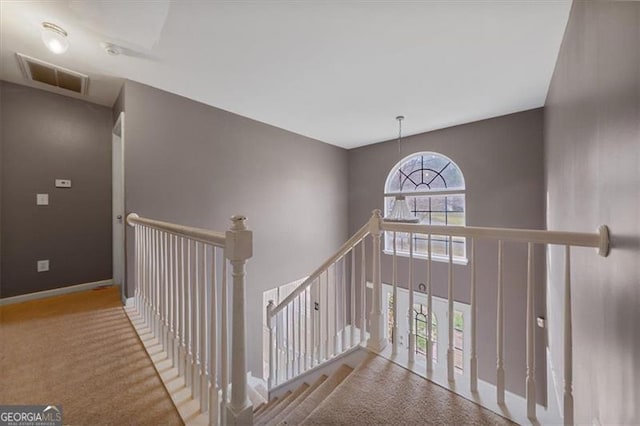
{"x": 80, "y": 350}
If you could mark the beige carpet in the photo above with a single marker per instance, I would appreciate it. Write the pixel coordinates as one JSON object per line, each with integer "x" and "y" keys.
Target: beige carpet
{"x": 379, "y": 392}
{"x": 80, "y": 350}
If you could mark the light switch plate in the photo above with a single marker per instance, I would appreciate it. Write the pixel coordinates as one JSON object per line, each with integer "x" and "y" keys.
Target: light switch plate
{"x": 43, "y": 265}
{"x": 42, "y": 199}
{"x": 63, "y": 183}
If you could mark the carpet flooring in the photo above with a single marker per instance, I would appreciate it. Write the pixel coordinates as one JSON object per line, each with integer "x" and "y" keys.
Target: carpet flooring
{"x": 379, "y": 392}
{"x": 79, "y": 350}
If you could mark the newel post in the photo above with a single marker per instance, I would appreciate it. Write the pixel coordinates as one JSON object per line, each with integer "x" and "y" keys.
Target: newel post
{"x": 377, "y": 341}
{"x": 239, "y": 248}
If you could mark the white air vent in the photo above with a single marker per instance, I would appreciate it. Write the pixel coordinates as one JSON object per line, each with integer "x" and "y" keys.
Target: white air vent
{"x": 53, "y": 75}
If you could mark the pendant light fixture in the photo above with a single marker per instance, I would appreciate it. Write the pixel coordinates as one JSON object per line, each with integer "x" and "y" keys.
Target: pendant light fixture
{"x": 400, "y": 211}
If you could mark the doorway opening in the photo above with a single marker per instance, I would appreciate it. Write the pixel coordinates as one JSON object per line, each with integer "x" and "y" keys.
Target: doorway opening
{"x": 117, "y": 197}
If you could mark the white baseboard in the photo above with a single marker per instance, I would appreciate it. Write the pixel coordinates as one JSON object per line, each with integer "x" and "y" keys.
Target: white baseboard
{"x": 128, "y": 302}
{"x": 54, "y": 292}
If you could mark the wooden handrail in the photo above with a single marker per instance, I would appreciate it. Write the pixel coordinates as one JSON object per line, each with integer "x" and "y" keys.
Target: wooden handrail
{"x": 599, "y": 240}
{"x": 344, "y": 249}
{"x": 197, "y": 234}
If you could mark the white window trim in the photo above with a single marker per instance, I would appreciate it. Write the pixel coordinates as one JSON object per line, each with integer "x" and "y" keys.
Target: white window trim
{"x": 458, "y": 260}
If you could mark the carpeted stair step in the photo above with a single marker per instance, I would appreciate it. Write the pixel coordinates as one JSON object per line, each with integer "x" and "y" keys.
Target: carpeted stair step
{"x": 379, "y": 392}
{"x": 273, "y": 403}
{"x": 316, "y": 397}
{"x": 292, "y": 406}
{"x": 265, "y": 418}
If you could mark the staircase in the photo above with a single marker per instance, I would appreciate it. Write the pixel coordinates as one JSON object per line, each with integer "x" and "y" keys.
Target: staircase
{"x": 376, "y": 392}
{"x": 294, "y": 407}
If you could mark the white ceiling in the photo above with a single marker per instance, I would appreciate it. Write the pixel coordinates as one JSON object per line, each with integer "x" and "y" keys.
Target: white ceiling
{"x": 336, "y": 71}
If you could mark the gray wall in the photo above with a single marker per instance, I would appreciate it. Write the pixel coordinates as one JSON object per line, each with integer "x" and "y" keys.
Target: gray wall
{"x": 193, "y": 164}
{"x": 502, "y": 162}
{"x": 47, "y": 136}
{"x": 592, "y": 139}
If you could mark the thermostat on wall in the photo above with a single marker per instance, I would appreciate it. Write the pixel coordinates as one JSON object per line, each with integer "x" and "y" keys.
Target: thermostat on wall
{"x": 63, "y": 183}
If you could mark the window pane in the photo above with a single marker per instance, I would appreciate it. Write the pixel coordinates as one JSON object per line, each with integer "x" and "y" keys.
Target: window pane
{"x": 458, "y": 341}
{"x": 425, "y": 172}
{"x": 429, "y": 172}
{"x": 420, "y": 319}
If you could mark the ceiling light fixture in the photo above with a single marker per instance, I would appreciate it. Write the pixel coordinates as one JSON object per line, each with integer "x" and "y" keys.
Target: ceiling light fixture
{"x": 55, "y": 38}
{"x": 400, "y": 211}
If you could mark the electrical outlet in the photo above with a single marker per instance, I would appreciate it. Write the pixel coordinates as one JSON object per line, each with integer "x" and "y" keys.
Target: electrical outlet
{"x": 541, "y": 322}
{"x": 43, "y": 265}
{"x": 42, "y": 199}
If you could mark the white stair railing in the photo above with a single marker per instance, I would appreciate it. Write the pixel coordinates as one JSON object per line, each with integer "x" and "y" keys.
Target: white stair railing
{"x": 319, "y": 319}
{"x": 181, "y": 295}
{"x": 292, "y": 354}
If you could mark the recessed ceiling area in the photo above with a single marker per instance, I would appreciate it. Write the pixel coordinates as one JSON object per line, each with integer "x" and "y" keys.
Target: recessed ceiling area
{"x": 339, "y": 72}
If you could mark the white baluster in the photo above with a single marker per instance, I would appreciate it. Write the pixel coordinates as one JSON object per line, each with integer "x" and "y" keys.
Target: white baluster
{"x": 326, "y": 341}
{"x": 204, "y": 398}
{"x": 182, "y": 355}
{"x": 176, "y": 303}
{"x": 336, "y": 304}
{"x": 189, "y": 320}
{"x": 412, "y": 332}
{"x": 568, "y": 341}
{"x": 156, "y": 284}
{"x": 300, "y": 345}
{"x": 272, "y": 355}
{"x": 292, "y": 331}
{"x": 473, "y": 361}
{"x": 377, "y": 341}
{"x": 138, "y": 258}
{"x": 320, "y": 320}
{"x": 224, "y": 349}
{"x": 500, "y": 329}
{"x": 140, "y": 303}
{"x": 352, "y": 314}
{"x": 278, "y": 333}
{"x": 307, "y": 313}
{"x": 450, "y": 350}
{"x": 288, "y": 324}
{"x": 343, "y": 293}
{"x": 312, "y": 316}
{"x": 363, "y": 294}
{"x": 195, "y": 325}
{"x": 152, "y": 282}
{"x": 165, "y": 293}
{"x": 213, "y": 340}
{"x": 160, "y": 287}
{"x": 145, "y": 279}
{"x": 531, "y": 320}
{"x": 172, "y": 297}
{"x": 429, "y": 309}
{"x": 394, "y": 274}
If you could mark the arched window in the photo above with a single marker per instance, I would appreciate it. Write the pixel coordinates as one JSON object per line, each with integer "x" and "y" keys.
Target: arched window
{"x": 434, "y": 189}
{"x": 420, "y": 318}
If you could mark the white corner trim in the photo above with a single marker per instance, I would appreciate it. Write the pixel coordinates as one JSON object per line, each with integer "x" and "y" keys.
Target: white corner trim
{"x": 54, "y": 292}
